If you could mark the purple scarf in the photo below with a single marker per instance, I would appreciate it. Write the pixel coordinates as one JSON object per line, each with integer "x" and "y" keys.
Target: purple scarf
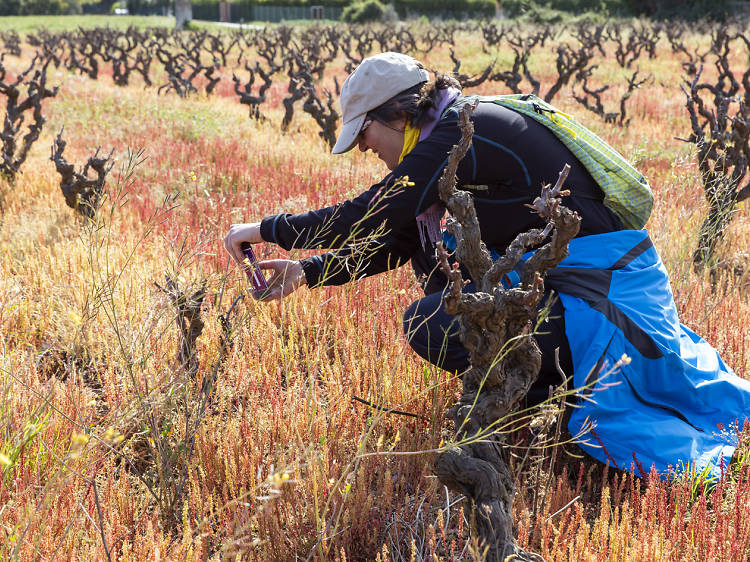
{"x": 429, "y": 220}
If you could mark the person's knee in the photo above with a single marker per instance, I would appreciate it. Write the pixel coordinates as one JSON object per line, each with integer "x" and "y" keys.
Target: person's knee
{"x": 411, "y": 322}
{"x": 433, "y": 334}
{"x": 420, "y": 323}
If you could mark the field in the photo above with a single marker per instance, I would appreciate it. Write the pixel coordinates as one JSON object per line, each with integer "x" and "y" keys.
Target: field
{"x": 111, "y": 448}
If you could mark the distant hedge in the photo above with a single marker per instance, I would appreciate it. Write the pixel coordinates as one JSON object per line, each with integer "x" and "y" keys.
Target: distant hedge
{"x": 363, "y": 11}
{"x": 209, "y": 9}
{"x": 242, "y": 9}
{"x": 659, "y": 9}
{"x": 683, "y": 9}
{"x": 235, "y": 3}
{"x": 29, "y": 7}
{"x": 447, "y": 8}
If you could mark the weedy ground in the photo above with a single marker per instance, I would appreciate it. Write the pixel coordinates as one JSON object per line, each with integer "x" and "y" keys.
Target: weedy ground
{"x": 284, "y": 464}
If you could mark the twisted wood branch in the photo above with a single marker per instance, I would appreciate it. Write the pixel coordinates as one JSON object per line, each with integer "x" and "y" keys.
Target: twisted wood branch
{"x": 505, "y": 360}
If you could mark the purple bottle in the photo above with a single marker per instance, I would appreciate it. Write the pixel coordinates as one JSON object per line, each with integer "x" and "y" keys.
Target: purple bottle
{"x": 254, "y": 274}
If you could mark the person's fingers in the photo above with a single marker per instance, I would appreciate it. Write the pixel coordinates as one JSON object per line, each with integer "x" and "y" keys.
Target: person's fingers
{"x": 236, "y": 244}
{"x": 265, "y": 296}
{"x": 270, "y": 294}
{"x": 237, "y": 235}
{"x": 276, "y": 280}
{"x": 285, "y": 278}
{"x": 228, "y": 245}
{"x": 232, "y": 246}
{"x": 277, "y": 266}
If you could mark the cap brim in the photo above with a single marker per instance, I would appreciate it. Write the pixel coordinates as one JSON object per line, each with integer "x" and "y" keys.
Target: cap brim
{"x": 348, "y": 135}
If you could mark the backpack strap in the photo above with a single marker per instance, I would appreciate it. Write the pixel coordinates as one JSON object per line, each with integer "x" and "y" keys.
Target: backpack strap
{"x": 626, "y": 192}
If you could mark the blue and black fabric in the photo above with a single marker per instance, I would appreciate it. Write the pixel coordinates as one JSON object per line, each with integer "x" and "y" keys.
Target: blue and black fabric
{"x": 676, "y": 404}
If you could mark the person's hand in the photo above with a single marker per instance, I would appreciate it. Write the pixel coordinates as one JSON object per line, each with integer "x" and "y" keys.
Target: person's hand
{"x": 239, "y": 233}
{"x": 288, "y": 276}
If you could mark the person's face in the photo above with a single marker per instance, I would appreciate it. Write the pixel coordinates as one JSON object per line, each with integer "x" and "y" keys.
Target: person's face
{"x": 385, "y": 140}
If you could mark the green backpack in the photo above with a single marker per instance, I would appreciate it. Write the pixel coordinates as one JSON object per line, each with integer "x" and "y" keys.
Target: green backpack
{"x": 626, "y": 191}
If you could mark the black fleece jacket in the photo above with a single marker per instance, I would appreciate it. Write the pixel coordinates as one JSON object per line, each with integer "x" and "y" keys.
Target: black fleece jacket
{"x": 511, "y": 157}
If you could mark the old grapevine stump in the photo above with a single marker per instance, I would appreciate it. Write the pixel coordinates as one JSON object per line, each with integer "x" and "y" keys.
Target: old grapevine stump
{"x": 505, "y": 360}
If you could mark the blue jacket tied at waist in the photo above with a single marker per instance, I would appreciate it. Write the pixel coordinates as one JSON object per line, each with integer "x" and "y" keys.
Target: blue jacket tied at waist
{"x": 676, "y": 403}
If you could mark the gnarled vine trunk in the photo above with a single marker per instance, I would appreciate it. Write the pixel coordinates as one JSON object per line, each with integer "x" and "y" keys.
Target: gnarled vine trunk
{"x": 505, "y": 360}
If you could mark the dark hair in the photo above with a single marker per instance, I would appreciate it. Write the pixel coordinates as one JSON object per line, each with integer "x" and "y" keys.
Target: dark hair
{"x": 413, "y": 103}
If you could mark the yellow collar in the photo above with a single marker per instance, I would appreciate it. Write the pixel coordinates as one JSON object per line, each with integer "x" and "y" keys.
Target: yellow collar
{"x": 411, "y": 138}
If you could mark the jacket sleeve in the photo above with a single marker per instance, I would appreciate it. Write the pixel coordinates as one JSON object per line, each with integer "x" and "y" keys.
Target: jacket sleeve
{"x": 385, "y": 207}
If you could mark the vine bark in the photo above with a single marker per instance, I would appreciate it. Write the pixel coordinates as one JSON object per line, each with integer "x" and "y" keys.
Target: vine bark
{"x": 496, "y": 329}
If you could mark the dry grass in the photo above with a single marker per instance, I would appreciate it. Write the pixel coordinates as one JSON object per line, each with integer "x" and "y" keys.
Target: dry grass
{"x": 283, "y": 465}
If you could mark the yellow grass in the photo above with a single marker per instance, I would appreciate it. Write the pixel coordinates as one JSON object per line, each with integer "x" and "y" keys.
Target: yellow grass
{"x": 282, "y": 466}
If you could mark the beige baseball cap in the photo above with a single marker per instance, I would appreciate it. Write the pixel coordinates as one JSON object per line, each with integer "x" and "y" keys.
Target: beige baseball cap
{"x": 376, "y": 80}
